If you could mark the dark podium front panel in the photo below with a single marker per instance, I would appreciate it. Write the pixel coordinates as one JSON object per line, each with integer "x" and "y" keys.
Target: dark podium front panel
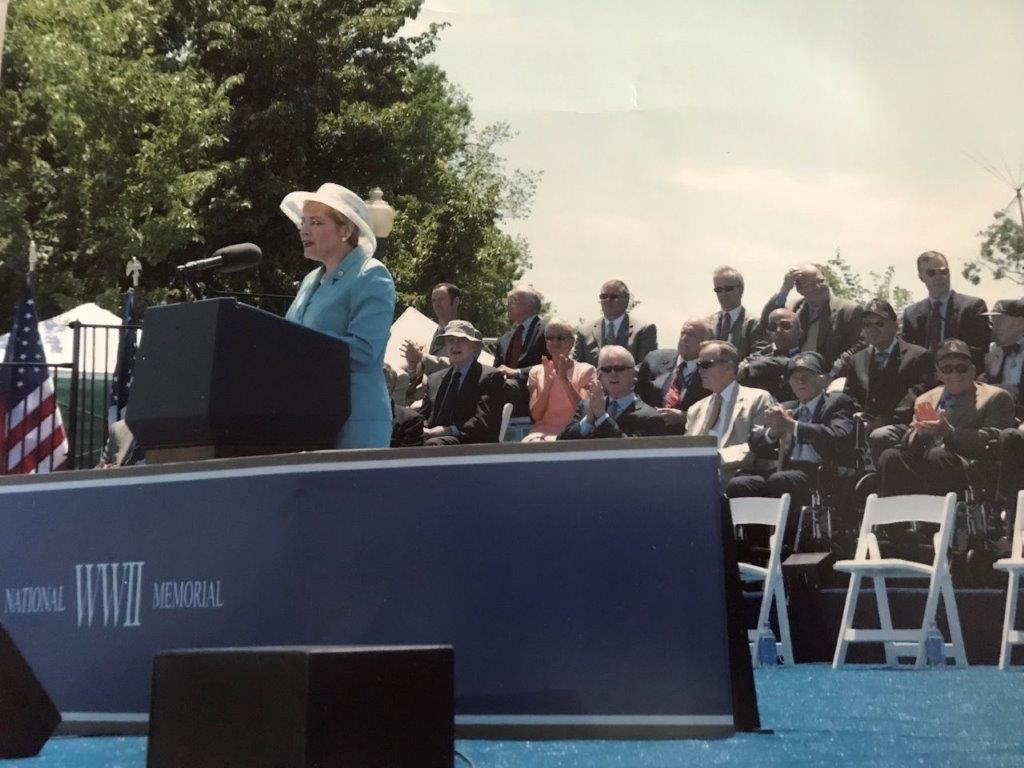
{"x": 221, "y": 373}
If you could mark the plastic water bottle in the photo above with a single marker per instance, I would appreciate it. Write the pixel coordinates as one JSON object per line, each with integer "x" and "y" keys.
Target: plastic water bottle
{"x": 766, "y": 654}
{"x": 934, "y": 648}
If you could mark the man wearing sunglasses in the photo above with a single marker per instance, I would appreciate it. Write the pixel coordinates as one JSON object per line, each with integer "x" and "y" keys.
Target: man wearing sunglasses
{"x": 885, "y": 379}
{"x": 956, "y": 419}
{"x": 615, "y": 326}
{"x": 611, "y": 407}
{"x": 829, "y": 325}
{"x": 731, "y": 322}
{"x": 799, "y": 437}
{"x": 768, "y": 369}
{"x": 668, "y": 378}
{"x": 1004, "y": 364}
{"x": 945, "y": 314}
{"x": 731, "y": 412}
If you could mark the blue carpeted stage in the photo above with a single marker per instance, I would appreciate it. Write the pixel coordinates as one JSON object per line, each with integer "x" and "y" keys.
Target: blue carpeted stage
{"x": 874, "y": 717}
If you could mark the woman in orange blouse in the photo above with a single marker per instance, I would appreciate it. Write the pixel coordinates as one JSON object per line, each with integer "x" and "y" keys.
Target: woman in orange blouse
{"x": 557, "y": 384}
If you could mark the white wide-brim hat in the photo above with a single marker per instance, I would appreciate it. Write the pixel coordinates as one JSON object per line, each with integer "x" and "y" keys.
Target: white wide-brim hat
{"x": 344, "y": 201}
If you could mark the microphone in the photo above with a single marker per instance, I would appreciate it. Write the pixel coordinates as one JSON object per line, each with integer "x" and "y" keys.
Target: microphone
{"x": 230, "y": 258}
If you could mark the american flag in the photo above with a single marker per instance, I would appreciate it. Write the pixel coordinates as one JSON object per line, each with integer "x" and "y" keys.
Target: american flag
{"x": 126, "y": 348}
{"x": 33, "y": 433}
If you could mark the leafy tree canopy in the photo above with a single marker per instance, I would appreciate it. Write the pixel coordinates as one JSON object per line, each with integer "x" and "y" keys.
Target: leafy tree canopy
{"x": 848, "y": 284}
{"x": 1002, "y": 252}
{"x": 164, "y": 129}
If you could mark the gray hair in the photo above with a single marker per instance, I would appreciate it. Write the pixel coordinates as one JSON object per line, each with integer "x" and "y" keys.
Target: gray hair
{"x": 726, "y": 351}
{"x": 703, "y": 322}
{"x": 617, "y": 351}
{"x": 532, "y": 293}
{"x": 726, "y": 271}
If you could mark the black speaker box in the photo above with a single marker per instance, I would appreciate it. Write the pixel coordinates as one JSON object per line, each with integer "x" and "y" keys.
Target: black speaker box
{"x": 300, "y": 707}
{"x": 27, "y": 715}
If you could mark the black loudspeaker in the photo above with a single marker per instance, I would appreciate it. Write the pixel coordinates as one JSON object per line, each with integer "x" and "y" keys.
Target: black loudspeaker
{"x": 303, "y": 707}
{"x": 27, "y": 715}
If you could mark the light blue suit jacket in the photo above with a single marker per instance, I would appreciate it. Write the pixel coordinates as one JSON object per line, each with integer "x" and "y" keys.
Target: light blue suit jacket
{"x": 355, "y": 303}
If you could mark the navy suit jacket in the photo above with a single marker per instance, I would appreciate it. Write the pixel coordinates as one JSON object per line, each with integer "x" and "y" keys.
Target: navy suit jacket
{"x": 477, "y": 407}
{"x": 638, "y": 420}
{"x": 830, "y": 431}
{"x": 964, "y": 321}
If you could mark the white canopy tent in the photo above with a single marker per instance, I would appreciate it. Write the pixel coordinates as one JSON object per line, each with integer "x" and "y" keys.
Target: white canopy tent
{"x": 97, "y": 350}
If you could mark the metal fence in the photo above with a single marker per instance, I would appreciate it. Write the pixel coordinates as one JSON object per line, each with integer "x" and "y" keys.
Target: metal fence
{"x": 82, "y": 387}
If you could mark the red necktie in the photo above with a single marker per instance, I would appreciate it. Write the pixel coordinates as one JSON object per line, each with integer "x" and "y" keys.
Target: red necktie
{"x": 675, "y": 391}
{"x": 515, "y": 348}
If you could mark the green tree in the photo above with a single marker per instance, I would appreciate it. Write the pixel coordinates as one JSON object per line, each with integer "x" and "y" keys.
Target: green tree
{"x": 332, "y": 92}
{"x": 105, "y": 149}
{"x": 1002, "y": 252}
{"x": 848, "y": 284}
{"x": 165, "y": 129}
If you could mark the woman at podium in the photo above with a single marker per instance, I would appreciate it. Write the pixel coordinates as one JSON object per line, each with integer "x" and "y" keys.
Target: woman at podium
{"x": 350, "y": 295}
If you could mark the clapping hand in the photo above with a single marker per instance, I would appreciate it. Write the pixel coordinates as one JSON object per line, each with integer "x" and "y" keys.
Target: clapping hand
{"x": 563, "y": 367}
{"x": 778, "y": 420}
{"x": 595, "y": 407}
{"x": 413, "y": 352}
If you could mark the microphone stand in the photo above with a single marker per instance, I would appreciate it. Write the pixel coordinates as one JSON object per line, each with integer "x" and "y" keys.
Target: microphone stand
{"x": 193, "y": 284}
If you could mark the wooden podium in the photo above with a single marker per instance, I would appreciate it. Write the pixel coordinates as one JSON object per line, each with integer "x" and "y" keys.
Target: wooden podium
{"x": 217, "y": 378}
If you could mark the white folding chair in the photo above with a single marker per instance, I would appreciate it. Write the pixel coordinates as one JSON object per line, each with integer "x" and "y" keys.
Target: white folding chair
{"x": 772, "y": 513}
{"x": 1014, "y": 566}
{"x": 869, "y": 563}
{"x": 506, "y": 415}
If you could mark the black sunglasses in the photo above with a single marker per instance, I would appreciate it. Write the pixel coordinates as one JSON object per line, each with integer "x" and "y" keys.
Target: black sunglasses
{"x": 615, "y": 368}
{"x": 937, "y": 271}
{"x": 705, "y": 364}
{"x": 958, "y": 368}
{"x": 558, "y": 337}
{"x": 725, "y": 288}
{"x": 781, "y": 325}
{"x": 609, "y": 296}
{"x": 875, "y": 323}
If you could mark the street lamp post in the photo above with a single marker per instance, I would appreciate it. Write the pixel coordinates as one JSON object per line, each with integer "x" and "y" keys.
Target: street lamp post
{"x": 382, "y": 218}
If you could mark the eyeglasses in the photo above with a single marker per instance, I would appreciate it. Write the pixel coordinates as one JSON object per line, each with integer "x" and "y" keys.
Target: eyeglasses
{"x": 705, "y": 364}
{"x": 725, "y": 288}
{"x": 875, "y": 323}
{"x": 960, "y": 368}
{"x": 937, "y": 271}
{"x": 558, "y": 337}
{"x": 609, "y": 296}
{"x": 615, "y": 368}
{"x": 780, "y": 325}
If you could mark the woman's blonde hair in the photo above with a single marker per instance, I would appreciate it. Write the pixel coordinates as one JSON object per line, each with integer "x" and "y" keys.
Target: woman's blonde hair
{"x": 341, "y": 221}
{"x": 562, "y": 323}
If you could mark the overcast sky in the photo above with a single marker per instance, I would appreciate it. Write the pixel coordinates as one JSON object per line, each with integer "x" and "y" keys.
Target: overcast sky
{"x": 757, "y": 134}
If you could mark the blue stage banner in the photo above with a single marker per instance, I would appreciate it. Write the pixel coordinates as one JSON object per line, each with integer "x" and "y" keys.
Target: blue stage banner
{"x": 580, "y": 584}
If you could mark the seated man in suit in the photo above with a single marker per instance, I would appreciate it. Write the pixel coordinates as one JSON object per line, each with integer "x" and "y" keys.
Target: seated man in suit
{"x": 731, "y": 412}
{"x": 611, "y": 408}
{"x": 956, "y": 419}
{"x": 815, "y": 429}
{"x": 669, "y": 379}
{"x": 461, "y": 404}
{"x": 945, "y": 314}
{"x": 730, "y": 322}
{"x": 830, "y": 325}
{"x": 768, "y": 369}
{"x": 1004, "y": 364}
{"x": 884, "y": 379}
{"x": 615, "y": 326}
{"x": 521, "y": 348}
